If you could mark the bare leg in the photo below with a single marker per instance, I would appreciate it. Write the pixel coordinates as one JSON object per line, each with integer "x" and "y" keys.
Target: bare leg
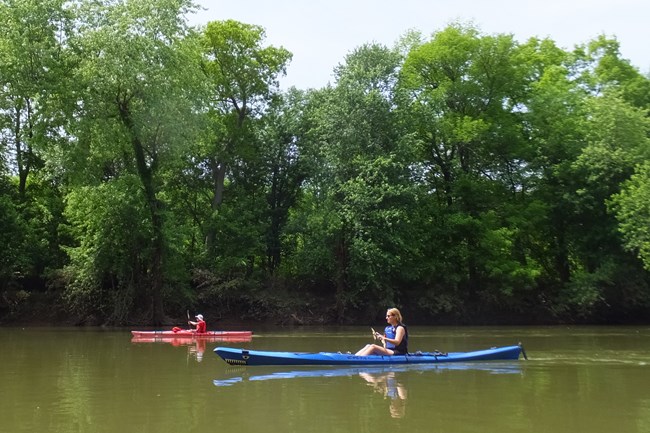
{"x": 373, "y": 349}
{"x": 365, "y": 350}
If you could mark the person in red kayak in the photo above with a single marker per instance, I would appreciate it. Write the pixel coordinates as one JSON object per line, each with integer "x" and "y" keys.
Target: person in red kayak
{"x": 200, "y": 324}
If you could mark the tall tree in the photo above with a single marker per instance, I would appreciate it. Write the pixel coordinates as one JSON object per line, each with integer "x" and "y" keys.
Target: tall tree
{"x": 552, "y": 121}
{"x": 284, "y": 167}
{"x": 242, "y": 74}
{"x": 460, "y": 98}
{"x": 33, "y": 72}
{"x": 140, "y": 75}
{"x": 354, "y": 210}
{"x": 31, "y": 68}
{"x": 586, "y": 140}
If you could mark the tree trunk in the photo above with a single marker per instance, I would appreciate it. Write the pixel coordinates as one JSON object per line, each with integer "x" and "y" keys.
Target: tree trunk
{"x": 341, "y": 276}
{"x": 218, "y": 178}
{"x": 156, "y": 268}
{"x": 23, "y": 157}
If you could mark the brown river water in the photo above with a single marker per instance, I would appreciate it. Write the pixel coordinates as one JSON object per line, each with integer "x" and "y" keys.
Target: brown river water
{"x": 576, "y": 379}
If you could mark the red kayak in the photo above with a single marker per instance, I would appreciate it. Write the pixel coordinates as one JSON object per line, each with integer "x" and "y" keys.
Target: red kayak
{"x": 190, "y": 334}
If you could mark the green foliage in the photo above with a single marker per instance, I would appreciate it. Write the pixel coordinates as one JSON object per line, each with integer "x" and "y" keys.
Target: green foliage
{"x": 464, "y": 177}
{"x": 33, "y": 72}
{"x": 353, "y": 217}
{"x": 632, "y": 209}
{"x": 240, "y": 68}
{"x": 140, "y": 66}
{"x": 242, "y": 74}
{"x": 31, "y": 242}
{"x": 111, "y": 227}
{"x": 502, "y": 260}
{"x": 10, "y": 238}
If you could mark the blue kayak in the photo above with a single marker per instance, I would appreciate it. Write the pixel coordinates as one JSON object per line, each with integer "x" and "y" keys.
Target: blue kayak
{"x": 234, "y": 356}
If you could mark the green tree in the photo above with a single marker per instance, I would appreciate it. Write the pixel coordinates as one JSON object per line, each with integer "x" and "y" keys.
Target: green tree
{"x": 112, "y": 226}
{"x": 32, "y": 70}
{"x": 10, "y": 223}
{"x": 139, "y": 81}
{"x": 461, "y": 98}
{"x": 283, "y": 168}
{"x": 586, "y": 140}
{"x": 31, "y": 67}
{"x": 553, "y": 124}
{"x": 353, "y": 215}
{"x": 608, "y": 71}
{"x": 242, "y": 74}
{"x": 617, "y": 146}
{"x": 632, "y": 209}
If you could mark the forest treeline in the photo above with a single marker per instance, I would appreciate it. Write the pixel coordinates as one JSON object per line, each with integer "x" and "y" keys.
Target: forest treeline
{"x": 149, "y": 167}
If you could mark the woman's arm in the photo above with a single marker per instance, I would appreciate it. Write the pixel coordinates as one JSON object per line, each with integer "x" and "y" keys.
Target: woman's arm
{"x": 399, "y": 335}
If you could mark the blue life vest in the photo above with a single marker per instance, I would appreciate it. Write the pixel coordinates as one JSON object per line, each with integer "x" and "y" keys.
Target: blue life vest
{"x": 391, "y": 332}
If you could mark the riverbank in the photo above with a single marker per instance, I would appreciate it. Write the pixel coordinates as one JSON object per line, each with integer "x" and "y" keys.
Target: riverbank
{"x": 47, "y": 309}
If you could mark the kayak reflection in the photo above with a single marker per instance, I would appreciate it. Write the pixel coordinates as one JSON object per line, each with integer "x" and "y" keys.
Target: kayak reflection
{"x": 386, "y": 380}
{"x": 196, "y": 347}
{"x": 492, "y": 367}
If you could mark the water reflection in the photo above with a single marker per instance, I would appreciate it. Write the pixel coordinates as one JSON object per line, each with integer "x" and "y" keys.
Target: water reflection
{"x": 195, "y": 346}
{"x": 389, "y": 381}
{"x": 389, "y": 385}
{"x": 245, "y": 372}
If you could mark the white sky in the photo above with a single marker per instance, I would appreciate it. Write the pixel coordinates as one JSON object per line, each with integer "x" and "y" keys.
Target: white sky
{"x": 320, "y": 34}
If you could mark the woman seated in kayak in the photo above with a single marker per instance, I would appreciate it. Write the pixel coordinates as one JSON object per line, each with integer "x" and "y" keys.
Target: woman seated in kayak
{"x": 395, "y": 338}
{"x": 201, "y": 326}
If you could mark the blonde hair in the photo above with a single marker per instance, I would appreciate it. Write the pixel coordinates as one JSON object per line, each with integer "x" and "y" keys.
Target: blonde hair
{"x": 397, "y": 314}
